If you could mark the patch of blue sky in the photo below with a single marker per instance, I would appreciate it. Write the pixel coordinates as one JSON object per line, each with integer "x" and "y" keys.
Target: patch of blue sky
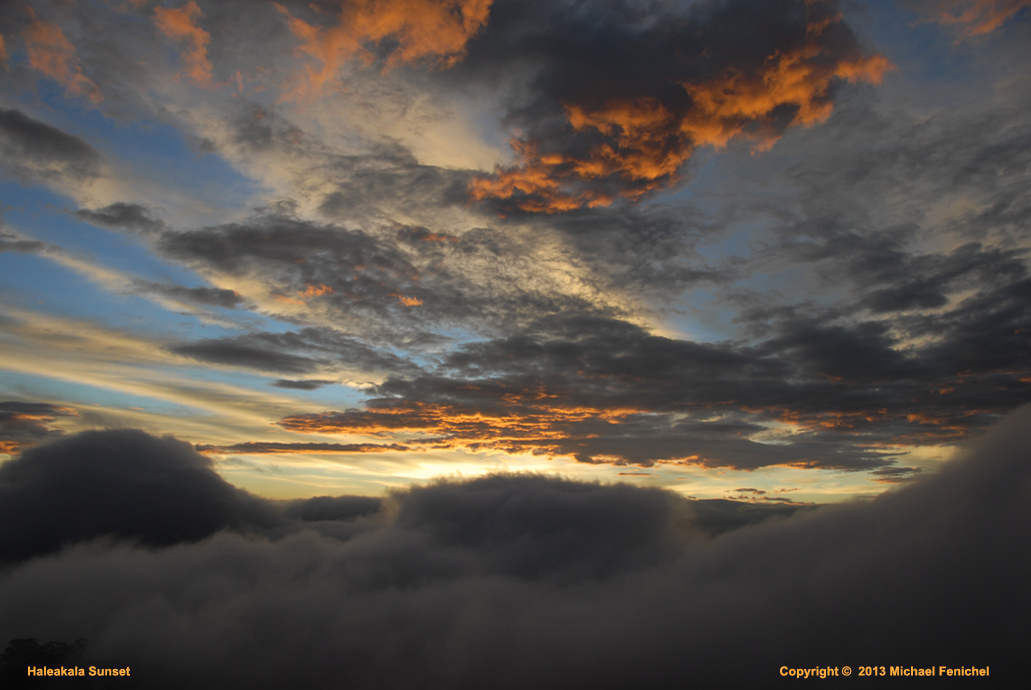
{"x": 701, "y": 317}
{"x": 331, "y": 396}
{"x": 154, "y": 150}
{"x": 39, "y": 284}
{"x": 936, "y": 65}
{"x": 41, "y": 214}
{"x": 23, "y": 386}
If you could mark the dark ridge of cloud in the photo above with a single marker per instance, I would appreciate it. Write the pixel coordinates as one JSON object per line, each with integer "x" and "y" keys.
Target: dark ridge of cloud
{"x": 302, "y": 384}
{"x": 894, "y": 475}
{"x": 10, "y": 242}
{"x": 272, "y": 447}
{"x": 295, "y": 352}
{"x": 125, "y": 484}
{"x": 619, "y": 96}
{"x": 206, "y": 296}
{"x": 241, "y": 352}
{"x": 519, "y": 581}
{"x": 531, "y": 526}
{"x": 716, "y": 516}
{"x": 323, "y": 508}
{"x": 25, "y": 424}
{"x": 123, "y": 216}
{"x": 33, "y": 149}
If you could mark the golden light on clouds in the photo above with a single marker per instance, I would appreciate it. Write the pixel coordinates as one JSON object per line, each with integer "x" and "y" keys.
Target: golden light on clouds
{"x": 646, "y": 142}
{"x": 180, "y": 24}
{"x": 976, "y": 17}
{"x": 423, "y": 30}
{"x": 51, "y": 53}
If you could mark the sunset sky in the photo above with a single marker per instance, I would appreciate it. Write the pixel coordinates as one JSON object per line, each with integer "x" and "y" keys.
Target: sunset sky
{"x": 377, "y": 344}
{"x": 770, "y": 250}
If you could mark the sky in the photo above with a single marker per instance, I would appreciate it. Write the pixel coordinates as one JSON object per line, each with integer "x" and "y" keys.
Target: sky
{"x": 374, "y": 318}
{"x": 347, "y": 246}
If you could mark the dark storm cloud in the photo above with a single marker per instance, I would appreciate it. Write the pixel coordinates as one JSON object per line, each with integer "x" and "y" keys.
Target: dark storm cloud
{"x": 126, "y": 484}
{"x": 25, "y": 424}
{"x": 618, "y": 95}
{"x": 123, "y": 216}
{"x": 516, "y": 581}
{"x": 33, "y": 149}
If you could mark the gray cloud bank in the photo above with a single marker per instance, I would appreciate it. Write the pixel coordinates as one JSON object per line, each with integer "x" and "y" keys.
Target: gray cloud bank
{"x": 512, "y": 580}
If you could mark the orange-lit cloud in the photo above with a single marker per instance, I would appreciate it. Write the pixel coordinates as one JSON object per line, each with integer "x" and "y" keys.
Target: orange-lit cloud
{"x": 316, "y": 291}
{"x": 645, "y": 141}
{"x": 181, "y": 25}
{"x": 21, "y": 430}
{"x": 434, "y": 30}
{"x": 409, "y": 301}
{"x": 525, "y": 424}
{"x": 265, "y": 447}
{"x": 9, "y": 447}
{"x": 51, "y": 53}
{"x": 307, "y": 293}
{"x": 3, "y": 49}
{"x": 976, "y": 17}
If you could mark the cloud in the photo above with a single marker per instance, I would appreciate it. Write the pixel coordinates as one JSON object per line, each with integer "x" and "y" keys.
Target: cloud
{"x": 10, "y": 242}
{"x": 181, "y": 25}
{"x": 812, "y": 393}
{"x": 35, "y": 150}
{"x": 332, "y": 508}
{"x": 296, "y": 352}
{"x": 25, "y": 424}
{"x": 262, "y": 447}
{"x": 394, "y": 32}
{"x": 205, "y": 296}
{"x": 622, "y": 99}
{"x": 974, "y": 17}
{"x": 379, "y": 287}
{"x": 123, "y": 216}
{"x": 302, "y": 385}
{"x": 539, "y": 581}
{"x": 126, "y": 484}
{"x": 240, "y": 352}
{"x": 51, "y": 53}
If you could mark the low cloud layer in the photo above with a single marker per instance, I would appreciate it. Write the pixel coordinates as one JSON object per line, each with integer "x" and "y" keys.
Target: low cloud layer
{"x": 518, "y": 580}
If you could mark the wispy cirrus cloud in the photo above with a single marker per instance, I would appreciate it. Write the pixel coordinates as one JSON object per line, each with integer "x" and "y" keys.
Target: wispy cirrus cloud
{"x": 975, "y": 17}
